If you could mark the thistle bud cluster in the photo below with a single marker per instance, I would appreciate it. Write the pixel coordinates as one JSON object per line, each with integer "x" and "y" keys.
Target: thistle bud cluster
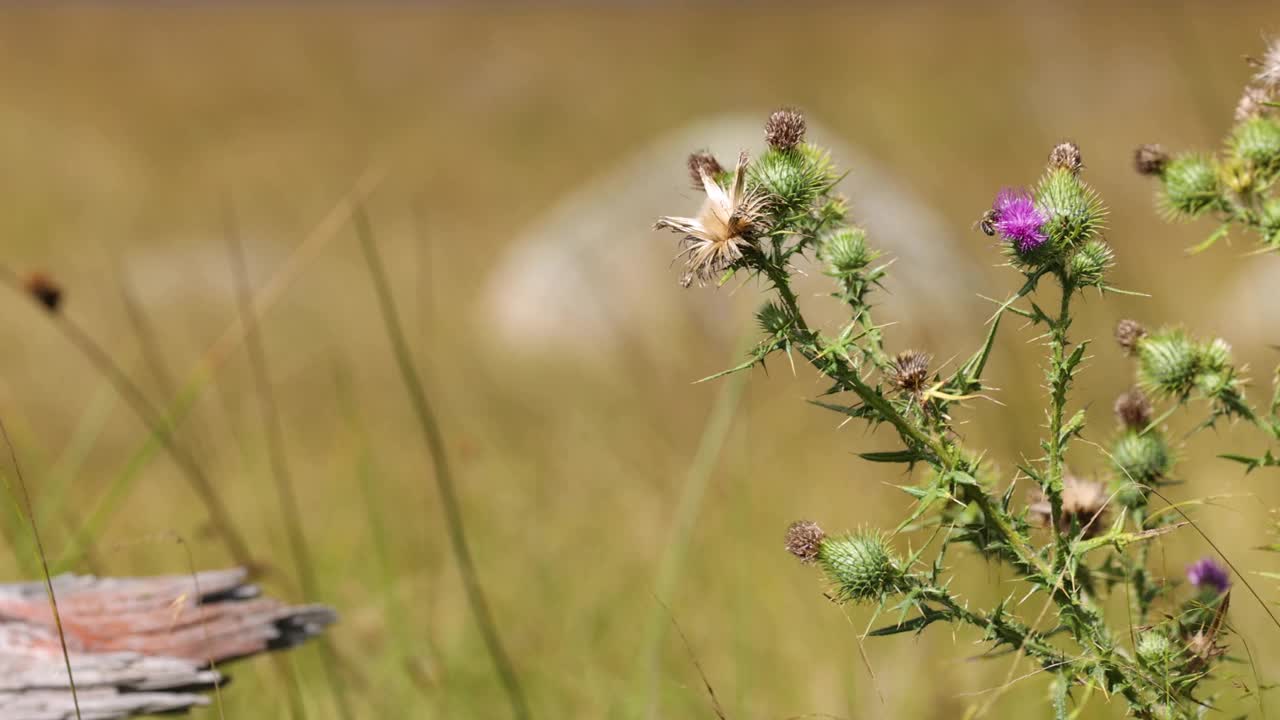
{"x": 1056, "y": 225}
{"x": 1237, "y": 186}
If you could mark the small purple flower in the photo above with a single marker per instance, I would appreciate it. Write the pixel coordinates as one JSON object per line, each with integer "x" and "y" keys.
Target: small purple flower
{"x": 1206, "y": 573}
{"x": 1018, "y": 220}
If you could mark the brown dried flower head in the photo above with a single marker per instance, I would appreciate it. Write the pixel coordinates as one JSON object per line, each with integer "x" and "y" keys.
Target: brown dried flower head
{"x": 1150, "y": 159}
{"x": 1066, "y": 155}
{"x": 703, "y": 162}
{"x": 1254, "y": 102}
{"x": 1128, "y": 334}
{"x": 1268, "y": 74}
{"x": 43, "y": 290}
{"x": 714, "y": 239}
{"x": 1084, "y": 505}
{"x": 911, "y": 371}
{"x": 804, "y": 539}
{"x": 1203, "y": 645}
{"x": 1133, "y": 409}
{"x": 785, "y": 129}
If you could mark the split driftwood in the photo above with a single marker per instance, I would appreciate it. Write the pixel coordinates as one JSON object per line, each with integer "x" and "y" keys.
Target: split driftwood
{"x": 136, "y": 645}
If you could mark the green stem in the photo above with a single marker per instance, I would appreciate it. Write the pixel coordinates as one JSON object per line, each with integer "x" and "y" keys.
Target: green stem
{"x": 1021, "y": 638}
{"x": 434, "y": 441}
{"x": 1059, "y": 380}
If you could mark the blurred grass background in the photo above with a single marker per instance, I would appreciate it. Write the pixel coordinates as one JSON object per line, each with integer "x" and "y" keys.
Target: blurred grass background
{"x": 123, "y": 131}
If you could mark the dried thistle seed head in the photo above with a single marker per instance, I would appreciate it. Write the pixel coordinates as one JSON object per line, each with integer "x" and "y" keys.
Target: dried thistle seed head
{"x": 1150, "y": 159}
{"x": 1066, "y": 155}
{"x": 44, "y": 290}
{"x": 804, "y": 540}
{"x": 1268, "y": 74}
{"x": 724, "y": 227}
{"x": 703, "y": 162}
{"x": 1133, "y": 409}
{"x": 860, "y": 566}
{"x": 784, "y": 129}
{"x": 1253, "y": 102}
{"x": 1204, "y": 648}
{"x": 911, "y": 371}
{"x": 1128, "y": 334}
{"x": 1084, "y": 506}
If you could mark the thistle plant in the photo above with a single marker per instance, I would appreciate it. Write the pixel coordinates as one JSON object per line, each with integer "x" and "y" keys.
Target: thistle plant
{"x": 1237, "y": 187}
{"x": 1072, "y": 540}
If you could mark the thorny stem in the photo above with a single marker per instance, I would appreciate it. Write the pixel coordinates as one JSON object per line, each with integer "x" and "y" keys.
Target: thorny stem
{"x": 1025, "y": 639}
{"x": 947, "y": 457}
{"x": 1059, "y": 381}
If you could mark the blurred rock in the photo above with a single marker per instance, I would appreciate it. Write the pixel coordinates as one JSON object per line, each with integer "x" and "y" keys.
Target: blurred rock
{"x": 590, "y": 276}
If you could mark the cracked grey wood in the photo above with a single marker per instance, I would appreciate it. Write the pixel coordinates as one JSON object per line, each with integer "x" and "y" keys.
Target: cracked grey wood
{"x": 137, "y": 645}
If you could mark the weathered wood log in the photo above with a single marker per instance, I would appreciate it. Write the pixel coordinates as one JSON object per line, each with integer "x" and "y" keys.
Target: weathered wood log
{"x": 136, "y": 645}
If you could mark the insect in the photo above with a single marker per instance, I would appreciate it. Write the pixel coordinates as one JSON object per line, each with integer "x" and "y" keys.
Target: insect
{"x": 987, "y": 223}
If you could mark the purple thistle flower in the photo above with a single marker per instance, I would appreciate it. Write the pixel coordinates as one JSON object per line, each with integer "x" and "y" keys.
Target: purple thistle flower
{"x": 1018, "y": 220}
{"x": 1206, "y": 573}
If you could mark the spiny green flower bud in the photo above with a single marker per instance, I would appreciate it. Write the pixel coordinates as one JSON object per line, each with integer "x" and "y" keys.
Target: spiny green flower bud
{"x": 784, "y": 129}
{"x": 1216, "y": 355}
{"x": 1127, "y": 493}
{"x": 1216, "y": 375}
{"x": 1168, "y": 363}
{"x": 845, "y": 252}
{"x": 1256, "y": 141}
{"x": 1073, "y": 210}
{"x": 1128, "y": 334}
{"x": 804, "y": 540}
{"x": 1155, "y": 649}
{"x": 793, "y": 178}
{"x": 861, "y": 566}
{"x": 1150, "y": 159}
{"x": 774, "y": 321}
{"x": 1066, "y": 156}
{"x": 1090, "y": 263}
{"x": 1190, "y": 185}
{"x": 1141, "y": 458}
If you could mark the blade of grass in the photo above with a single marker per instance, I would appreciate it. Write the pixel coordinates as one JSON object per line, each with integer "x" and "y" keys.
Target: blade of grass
{"x": 714, "y": 434}
{"x": 286, "y": 493}
{"x": 151, "y": 417}
{"x": 215, "y": 357}
{"x": 434, "y": 443}
{"x": 71, "y": 461}
{"x": 397, "y": 617}
{"x": 44, "y": 564}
